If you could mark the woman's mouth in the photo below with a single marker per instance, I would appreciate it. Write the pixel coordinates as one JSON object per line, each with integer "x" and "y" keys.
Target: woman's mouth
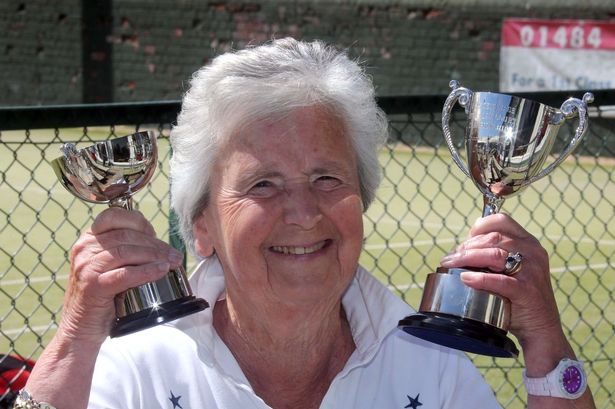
{"x": 300, "y": 250}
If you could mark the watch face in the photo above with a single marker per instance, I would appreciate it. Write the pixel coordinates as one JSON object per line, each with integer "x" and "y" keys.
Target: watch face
{"x": 572, "y": 379}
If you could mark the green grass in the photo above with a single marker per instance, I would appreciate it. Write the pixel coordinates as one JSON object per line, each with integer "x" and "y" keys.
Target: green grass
{"x": 424, "y": 209}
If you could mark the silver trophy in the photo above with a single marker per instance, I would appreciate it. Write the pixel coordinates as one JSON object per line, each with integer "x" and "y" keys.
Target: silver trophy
{"x": 111, "y": 172}
{"x": 508, "y": 140}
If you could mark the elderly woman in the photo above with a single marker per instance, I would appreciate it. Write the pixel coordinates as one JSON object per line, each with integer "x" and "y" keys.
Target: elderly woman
{"x": 275, "y": 161}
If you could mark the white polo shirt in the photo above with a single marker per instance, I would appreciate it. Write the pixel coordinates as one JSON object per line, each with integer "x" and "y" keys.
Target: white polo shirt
{"x": 186, "y": 365}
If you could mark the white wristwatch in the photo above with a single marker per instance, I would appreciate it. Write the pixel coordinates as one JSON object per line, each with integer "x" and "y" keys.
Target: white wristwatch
{"x": 567, "y": 380}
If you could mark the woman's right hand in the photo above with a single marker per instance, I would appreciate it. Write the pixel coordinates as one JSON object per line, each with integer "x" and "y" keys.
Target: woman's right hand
{"x": 119, "y": 251}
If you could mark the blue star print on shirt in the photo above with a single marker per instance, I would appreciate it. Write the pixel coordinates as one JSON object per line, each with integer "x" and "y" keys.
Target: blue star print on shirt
{"x": 175, "y": 401}
{"x": 414, "y": 403}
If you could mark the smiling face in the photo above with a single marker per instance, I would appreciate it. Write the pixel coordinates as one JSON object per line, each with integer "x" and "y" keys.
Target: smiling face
{"x": 285, "y": 212}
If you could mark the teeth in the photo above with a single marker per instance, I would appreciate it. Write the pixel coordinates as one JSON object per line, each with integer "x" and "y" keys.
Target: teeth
{"x": 298, "y": 250}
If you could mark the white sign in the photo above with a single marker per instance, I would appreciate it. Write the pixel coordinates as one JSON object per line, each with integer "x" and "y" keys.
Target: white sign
{"x": 553, "y": 55}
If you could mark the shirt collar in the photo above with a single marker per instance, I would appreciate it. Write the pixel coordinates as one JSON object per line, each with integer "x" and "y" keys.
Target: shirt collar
{"x": 372, "y": 311}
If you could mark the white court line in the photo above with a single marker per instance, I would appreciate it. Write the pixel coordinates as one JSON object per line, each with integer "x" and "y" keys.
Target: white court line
{"x": 65, "y": 194}
{"x": 396, "y": 245}
{"x": 558, "y": 270}
{"x": 404, "y": 287}
{"x": 419, "y": 243}
{"x": 584, "y": 239}
{"x": 25, "y": 329}
{"x": 393, "y": 245}
{"x": 389, "y": 220}
{"x": 553, "y": 237}
{"x": 32, "y": 280}
{"x": 401, "y": 245}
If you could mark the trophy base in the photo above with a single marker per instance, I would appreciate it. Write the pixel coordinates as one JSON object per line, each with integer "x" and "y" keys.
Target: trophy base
{"x": 153, "y": 316}
{"x": 459, "y": 333}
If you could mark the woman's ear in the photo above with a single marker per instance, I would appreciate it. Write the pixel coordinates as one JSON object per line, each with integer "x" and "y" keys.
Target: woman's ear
{"x": 203, "y": 243}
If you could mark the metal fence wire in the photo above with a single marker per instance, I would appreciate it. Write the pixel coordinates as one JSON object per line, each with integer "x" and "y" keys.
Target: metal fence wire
{"x": 424, "y": 208}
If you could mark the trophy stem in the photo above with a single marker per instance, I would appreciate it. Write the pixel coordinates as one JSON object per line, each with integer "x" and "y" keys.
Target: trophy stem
{"x": 492, "y": 205}
{"x": 123, "y": 202}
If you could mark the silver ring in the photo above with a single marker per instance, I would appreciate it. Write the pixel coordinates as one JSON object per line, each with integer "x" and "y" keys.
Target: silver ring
{"x": 513, "y": 263}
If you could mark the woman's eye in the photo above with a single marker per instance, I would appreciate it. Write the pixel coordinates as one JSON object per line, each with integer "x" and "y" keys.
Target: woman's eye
{"x": 263, "y": 188}
{"x": 263, "y": 183}
{"x": 327, "y": 182}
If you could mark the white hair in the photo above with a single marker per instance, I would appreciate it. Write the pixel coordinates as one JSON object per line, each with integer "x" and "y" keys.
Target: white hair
{"x": 273, "y": 79}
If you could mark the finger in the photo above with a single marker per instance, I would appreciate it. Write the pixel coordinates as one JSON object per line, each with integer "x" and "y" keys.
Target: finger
{"x": 500, "y": 222}
{"x": 492, "y": 258}
{"x": 123, "y": 278}
{"x": 118, "y": 218}
{"x": 119, "y": 237}
{"x": 124, "y": 255}
{"x": 490, "y": 239}
{"x": 503, "y": 285}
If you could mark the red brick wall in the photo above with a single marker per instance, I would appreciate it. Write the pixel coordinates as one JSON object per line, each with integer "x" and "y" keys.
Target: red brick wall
{"x": 156, "y": 45}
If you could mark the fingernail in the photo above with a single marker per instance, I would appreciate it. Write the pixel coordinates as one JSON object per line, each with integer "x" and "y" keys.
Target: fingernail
{"x": 469, "y": 276}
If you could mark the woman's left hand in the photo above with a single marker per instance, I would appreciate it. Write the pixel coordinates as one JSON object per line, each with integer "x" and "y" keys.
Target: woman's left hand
{"x": 534, "y": 314}
{"x": 534, "y": 317}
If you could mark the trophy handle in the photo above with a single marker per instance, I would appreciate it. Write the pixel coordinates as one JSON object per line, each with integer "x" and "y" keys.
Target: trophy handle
{"x": 570, "y": 108}
{"x": 464, "y": 97}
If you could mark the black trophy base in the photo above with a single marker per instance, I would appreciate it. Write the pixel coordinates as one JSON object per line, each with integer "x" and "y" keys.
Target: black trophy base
{"x": 151, "y": 317}
{"x": 459, "y": 333}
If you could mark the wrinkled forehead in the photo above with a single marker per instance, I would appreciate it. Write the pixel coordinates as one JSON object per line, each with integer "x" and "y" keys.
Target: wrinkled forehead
{"x": 306, "y": 138}
{"x": 301, "y": 125}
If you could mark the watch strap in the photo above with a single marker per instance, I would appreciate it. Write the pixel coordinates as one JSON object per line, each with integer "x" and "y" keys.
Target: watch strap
{"x": 537, "y": 386}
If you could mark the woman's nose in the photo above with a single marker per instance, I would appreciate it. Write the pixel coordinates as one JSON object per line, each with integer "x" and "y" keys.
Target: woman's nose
{"x": 302, "y": 207}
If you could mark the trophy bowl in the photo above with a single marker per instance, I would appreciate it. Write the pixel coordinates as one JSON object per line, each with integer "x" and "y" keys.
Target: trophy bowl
{"x": 110, "y": 172}
{"x": 508, "y": 140}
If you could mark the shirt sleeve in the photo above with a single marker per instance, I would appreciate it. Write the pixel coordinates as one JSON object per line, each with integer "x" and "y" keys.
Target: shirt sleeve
{"x": 112, "y": 373}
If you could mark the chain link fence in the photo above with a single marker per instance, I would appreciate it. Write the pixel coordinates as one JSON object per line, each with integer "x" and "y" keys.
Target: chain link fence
{"x": 424, "y": 209}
